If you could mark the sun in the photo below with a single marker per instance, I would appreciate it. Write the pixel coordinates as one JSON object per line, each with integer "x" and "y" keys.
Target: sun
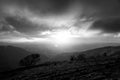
{"x": 62, "y": 37}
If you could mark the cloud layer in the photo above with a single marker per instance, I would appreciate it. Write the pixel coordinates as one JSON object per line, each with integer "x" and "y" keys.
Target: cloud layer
{"x": 109, "y": 25}
{"x": 83, "y": 17}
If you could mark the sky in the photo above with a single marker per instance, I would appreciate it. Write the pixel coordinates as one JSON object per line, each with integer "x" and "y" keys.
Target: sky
{"x": 60, "y": 21}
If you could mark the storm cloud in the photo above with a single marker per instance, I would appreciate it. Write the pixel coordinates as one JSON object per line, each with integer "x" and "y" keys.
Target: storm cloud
{"x": 41, "y": 6}
{"x": 33, "y": 17}
{"x": 26, "y": 27}
{"x": 109, "y": 25}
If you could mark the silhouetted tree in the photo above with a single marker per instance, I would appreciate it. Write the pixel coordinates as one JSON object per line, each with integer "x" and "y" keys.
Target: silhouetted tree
{"x": 105, "y": 54}
{"x": 30, "y": 60}
{"x": 72, "y": 58}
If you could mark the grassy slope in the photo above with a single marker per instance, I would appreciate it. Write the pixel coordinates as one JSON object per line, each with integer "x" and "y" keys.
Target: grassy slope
{"x": 102, "y": 68}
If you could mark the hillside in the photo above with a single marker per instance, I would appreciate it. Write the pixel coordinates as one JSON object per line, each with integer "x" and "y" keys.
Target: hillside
{"x": 10, "y": 57}
{"x": 97, "y": 68}
{"x": 91, "y": 52}
{"x": 100, "y": 51}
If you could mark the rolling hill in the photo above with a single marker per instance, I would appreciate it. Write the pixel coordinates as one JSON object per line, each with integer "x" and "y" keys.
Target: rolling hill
{"x": 104, "y": 68}
{"x": 10, "y": 57}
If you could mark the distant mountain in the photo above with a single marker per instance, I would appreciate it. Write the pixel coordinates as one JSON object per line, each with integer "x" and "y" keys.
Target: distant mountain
{"x": 10, "y": 57}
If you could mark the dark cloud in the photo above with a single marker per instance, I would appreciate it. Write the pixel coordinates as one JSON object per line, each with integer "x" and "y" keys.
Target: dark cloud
{"x": 24, "y": 26}
{"x": 41, "y": 6}
{"x": 4, "y": 26}
{"x": 101, "y": 7}
{"x": 48, "y": 6}
{"x": 98, "y": 9}
{"x": 110, "y": 25}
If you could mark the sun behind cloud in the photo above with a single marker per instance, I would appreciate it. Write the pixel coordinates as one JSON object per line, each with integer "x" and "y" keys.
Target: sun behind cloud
{"x": 62, "y": 37}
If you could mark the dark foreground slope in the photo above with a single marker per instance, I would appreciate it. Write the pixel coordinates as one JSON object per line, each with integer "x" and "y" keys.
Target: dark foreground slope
{"x": 102, "y": 67}
{"x": 106, "y": 70}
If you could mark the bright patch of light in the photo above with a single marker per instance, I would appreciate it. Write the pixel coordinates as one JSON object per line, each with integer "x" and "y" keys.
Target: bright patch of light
{"x": 67, "y": 36}
{"x": 62, "y": 37}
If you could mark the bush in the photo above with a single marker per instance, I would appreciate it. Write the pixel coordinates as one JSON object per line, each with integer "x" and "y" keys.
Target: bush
{"x": 72, "y": 58}
{"x": 30, "y": 60}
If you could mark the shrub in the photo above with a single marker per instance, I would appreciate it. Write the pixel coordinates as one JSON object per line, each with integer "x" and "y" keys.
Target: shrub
{"x": 30, "y": 60}
{"x": 72, "y": 58}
